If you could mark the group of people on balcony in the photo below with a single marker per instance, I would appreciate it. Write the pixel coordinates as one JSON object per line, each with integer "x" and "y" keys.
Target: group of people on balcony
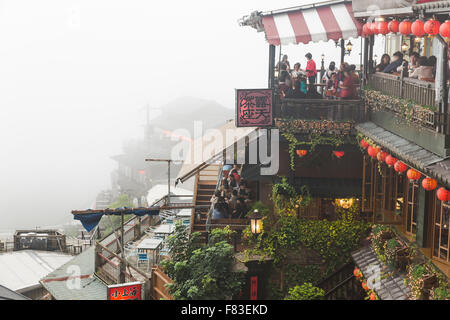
{"x": 342, "y": 83}
{"x": 297, "y": 83}
{"x": 234, "y": 197}
{"x": 418, "y": 67}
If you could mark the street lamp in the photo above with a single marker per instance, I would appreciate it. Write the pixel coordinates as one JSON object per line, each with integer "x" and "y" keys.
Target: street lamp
{"x": 349, "y": 47}
{"x": 256, "y": 222}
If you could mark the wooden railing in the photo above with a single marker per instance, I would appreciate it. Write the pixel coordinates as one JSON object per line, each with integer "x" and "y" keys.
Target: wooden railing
{"x": 159, "y": 281}
{"x": 420, "y": 92}
{"x": 342, "y": 285}
{"x": 321, "y": 109}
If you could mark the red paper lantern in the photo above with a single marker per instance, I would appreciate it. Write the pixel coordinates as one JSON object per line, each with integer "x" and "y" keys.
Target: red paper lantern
{"x": 417, "y": 28}
{"x": 413, "y": 174}
{"x": 400, "y": 167}
{"x": 393, "y": 26}
{"x": 339, "y": 154}
{"x": 373, "y": 296}
{"x": 373, "y": 151}
{"x": 302, "y": 153}
{"x": 141, "y": 171}
{"x": 381, "y": 156}
{"x": 444, "y": 29}
{"x": 382, "y": 27}
{"x": 429, "y": 184}
{"x": 366, "y": 29}
{"x": 364, "y": 143}
{"x": 443, "y": 194}
{"x": 390, "y": 160}
{"x": 357, "y": 273}
{"x": 405, "y": 27}
{"x": 365, "y": 286}
{"x": 431, "y": 27}
{"x": 374, "y": 28}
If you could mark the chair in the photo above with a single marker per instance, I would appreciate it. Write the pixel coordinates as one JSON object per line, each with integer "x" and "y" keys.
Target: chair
{"x": 143, "y": 258}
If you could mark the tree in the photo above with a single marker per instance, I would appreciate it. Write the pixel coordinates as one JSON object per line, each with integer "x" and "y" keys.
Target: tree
{"x": 202, "y": 271}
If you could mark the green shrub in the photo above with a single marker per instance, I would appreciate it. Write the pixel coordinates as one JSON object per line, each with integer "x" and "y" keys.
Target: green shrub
{"x": 305, "y": 292}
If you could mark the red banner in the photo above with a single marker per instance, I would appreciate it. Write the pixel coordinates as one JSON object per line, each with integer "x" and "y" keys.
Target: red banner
{"x": 254, "y": 288}
{"x": 254, "y": 107}
{"x": 125, "y": 291}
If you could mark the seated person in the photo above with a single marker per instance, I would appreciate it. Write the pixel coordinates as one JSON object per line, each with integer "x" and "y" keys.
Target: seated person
{"x": 240, "y": 211}
{"x": 412, "y": 64}
{"x": 385, "y": 61}
{"x": 423, "y": 71}
{"x": 432, "y": 61}
{"x": 233, "y": 199}
{"x": 397, "y": 61}
{"x": 295, "y": 92}
{"x": 220, "y": 209}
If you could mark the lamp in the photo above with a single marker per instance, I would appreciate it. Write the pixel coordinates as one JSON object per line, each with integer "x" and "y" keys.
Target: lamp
{"x": 349, "y": 47}
{"x": 405, "y": 47}
{"x": 256, "y": 222}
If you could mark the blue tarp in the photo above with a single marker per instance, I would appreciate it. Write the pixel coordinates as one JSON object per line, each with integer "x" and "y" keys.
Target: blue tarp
{"x": 91, "y": 220}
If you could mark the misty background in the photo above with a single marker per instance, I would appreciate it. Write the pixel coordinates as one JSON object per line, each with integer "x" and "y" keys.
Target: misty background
{"x": 75, "y": 77}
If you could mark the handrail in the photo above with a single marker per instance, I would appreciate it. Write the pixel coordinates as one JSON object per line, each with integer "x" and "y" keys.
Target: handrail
{"x": 211, "y": 208}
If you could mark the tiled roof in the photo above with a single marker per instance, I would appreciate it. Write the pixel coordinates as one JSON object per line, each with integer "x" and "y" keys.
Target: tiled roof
{"x": 418, "y": 157}
{"x": 390, "y": 285}
{"x": 61, "y": 288}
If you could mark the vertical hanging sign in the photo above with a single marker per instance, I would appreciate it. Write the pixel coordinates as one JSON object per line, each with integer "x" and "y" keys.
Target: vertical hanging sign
{"x": 254, "y": 288}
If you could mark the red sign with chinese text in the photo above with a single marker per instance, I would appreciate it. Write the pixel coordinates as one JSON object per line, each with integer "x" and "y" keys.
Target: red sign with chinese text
{"x": 125, "y": 291}
{"x": 254, "y": 107}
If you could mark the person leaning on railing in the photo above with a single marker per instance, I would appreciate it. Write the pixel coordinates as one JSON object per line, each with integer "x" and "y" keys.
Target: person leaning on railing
{"x": 424, "y": 71}
{"x": 397, "y": 61}
{"x": 385, "y": 61}
{"x": 348, "y": 90}
{"x": 311, "y": 70}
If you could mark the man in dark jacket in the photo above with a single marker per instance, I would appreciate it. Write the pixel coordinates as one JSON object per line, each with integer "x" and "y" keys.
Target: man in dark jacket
{"x": 397, "y": 62}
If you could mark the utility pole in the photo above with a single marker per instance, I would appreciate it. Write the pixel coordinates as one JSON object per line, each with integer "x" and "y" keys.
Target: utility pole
{"x": 169, "y": 161}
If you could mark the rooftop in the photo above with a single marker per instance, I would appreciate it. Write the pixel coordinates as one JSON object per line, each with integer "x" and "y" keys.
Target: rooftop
{"x": 22, "y": 270}
{"x": 91, "y": 288}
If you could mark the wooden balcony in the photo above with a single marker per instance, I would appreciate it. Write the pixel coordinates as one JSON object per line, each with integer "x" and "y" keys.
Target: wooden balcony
{"x": 321, "y": 109}
{"x": 422, "y": 109}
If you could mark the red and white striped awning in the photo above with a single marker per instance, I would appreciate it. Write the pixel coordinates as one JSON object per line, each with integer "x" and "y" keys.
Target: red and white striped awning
{"x": 333, "y": 21}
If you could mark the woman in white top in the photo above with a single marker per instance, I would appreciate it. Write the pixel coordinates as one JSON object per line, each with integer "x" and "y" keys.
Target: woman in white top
{"x": 423, "y": 71}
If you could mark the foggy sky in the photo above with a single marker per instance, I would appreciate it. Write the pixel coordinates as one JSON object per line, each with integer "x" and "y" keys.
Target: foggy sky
{"x": 74, "y": 76}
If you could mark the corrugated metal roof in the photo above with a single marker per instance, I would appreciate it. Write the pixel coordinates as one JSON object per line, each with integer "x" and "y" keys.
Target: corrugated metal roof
{"x": 22, "y": 270}
{"x": 408, "y": 151}
{"x": 90, "y": 288}
{"x": 8, "y": 294}
{"x": 390, "y": 286}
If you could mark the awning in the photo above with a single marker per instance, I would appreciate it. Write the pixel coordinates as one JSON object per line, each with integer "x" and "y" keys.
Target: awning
{"x": 209, "y": 148}
{"x": 371, "y": 8}
{"x": 90, "y": 218}
{"x": 314, "y": 23}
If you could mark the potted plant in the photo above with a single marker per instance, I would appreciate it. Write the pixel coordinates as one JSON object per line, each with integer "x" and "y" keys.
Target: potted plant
{"x": 421, "y": 280}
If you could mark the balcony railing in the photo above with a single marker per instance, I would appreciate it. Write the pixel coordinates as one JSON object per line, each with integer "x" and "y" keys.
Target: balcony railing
{"x": 321, "y": 109}
{"x": 420, "y": 93}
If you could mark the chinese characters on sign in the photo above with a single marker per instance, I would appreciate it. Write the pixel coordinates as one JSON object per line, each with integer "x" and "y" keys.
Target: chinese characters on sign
{"x": 125, "y": 291}
{"x": 254, "y": 107}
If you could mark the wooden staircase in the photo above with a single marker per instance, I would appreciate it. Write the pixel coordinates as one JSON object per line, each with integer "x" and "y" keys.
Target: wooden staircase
{"x": 205, "y": 186}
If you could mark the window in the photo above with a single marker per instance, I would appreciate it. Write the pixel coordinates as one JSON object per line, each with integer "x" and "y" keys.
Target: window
{"x": 412, "y": 207}
{"x": 441, "y": 236}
